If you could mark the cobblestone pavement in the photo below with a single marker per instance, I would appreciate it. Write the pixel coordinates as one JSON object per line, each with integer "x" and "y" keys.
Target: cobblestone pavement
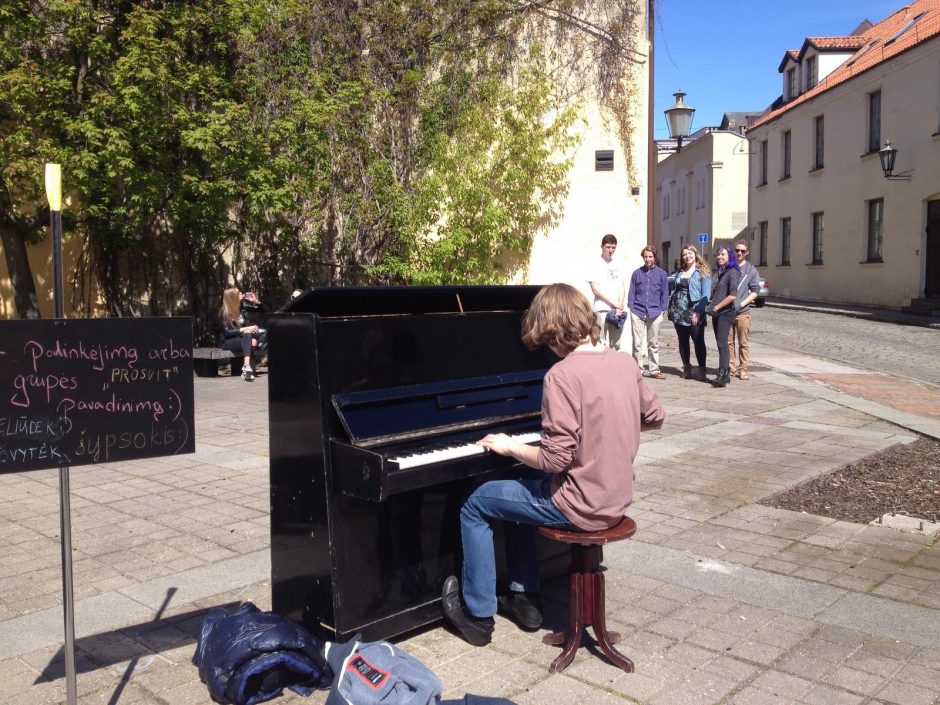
{"x": 900, "y": 350}
{"x": 717, "y": 599}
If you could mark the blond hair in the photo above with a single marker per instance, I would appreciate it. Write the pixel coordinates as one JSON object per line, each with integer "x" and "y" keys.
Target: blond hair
{"x": 700, "y": 264}
{"x": 231, "y": 305}
{"x": 560, "y": 317}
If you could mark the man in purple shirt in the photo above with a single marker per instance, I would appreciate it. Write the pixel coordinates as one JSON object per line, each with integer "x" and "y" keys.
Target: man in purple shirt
{"x": 648, "y": 298}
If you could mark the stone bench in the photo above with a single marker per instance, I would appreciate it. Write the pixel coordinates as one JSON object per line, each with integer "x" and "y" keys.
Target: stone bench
{"x": 206, "y": 361}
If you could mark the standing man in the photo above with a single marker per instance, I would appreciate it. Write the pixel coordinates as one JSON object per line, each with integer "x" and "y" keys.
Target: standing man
{"x": 648, "y": 299}
{"x": 606, "y": 280}
{"x": 747, "y": 292}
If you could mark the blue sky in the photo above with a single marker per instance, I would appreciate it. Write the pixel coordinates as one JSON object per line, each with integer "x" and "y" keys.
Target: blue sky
{"x": 724, "y": 54}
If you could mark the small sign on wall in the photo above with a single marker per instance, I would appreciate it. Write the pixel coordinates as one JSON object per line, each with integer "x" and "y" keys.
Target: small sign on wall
{"x": 703, "y": 237}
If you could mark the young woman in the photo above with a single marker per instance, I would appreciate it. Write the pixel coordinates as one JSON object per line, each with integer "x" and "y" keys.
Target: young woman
{"x": 594, "y": 402}
{"x": 237, "y": 334}
{"x": 692, "y": 286}
{"x": 721, "y": 306}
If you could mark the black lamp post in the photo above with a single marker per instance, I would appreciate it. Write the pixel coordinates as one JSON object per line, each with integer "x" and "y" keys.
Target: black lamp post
{"x": 679, "y": 119}
{"x": 887, "y": 155}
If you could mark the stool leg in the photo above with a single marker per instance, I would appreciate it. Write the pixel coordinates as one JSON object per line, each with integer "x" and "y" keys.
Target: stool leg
{"x": 605, "y": 639}
{"x": 575, "y": 625}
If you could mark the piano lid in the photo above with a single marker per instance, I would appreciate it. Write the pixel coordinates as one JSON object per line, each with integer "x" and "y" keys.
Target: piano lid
{"x": 346, "y": 301}
{"x": 413, "y": 412}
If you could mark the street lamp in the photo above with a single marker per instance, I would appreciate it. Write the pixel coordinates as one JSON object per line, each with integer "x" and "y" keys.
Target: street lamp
{"x": 679, "y": 119}
{"x": 887, "y": 155}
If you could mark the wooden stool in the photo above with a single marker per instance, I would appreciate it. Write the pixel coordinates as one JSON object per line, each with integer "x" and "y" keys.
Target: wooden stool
{"x": 586, "y": 593}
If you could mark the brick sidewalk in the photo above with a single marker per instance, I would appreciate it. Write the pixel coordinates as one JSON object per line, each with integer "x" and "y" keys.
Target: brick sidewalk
{"x": 718, "y": 599}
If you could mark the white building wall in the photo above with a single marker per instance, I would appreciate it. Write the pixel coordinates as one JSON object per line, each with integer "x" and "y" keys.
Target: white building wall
{"x": 828, "y": 62}
{"x": 720, "y": 161}
{"x": 910, "y": 104}
{"x": 598, "y": 202}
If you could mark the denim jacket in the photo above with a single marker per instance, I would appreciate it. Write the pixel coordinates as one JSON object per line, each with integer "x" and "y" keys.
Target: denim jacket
{"x": 700, "y": 289}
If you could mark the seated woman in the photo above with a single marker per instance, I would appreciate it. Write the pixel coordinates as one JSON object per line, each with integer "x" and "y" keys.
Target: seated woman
{"x": 237, "y": 334}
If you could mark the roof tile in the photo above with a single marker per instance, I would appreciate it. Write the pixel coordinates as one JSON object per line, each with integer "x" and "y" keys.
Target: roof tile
{"x": 871, "y": 53}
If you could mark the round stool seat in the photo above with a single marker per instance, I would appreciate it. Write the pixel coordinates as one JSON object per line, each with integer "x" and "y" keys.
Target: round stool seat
{"x": 624, "y": 530}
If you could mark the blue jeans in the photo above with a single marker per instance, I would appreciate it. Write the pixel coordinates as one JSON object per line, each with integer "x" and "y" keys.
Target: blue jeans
{"x": 524, "y": 505}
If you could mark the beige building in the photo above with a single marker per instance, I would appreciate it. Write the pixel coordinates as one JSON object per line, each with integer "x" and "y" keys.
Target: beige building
{"x": 607, "y": 190}
{"x": 826, "y": 222}
{"x": 701, "y": 194}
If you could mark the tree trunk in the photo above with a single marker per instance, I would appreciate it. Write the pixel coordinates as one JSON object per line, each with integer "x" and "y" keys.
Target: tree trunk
{"x": 21, "y": 275}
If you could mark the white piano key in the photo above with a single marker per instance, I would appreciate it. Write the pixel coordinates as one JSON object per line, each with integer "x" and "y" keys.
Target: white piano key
{"x": 459, "y": 451}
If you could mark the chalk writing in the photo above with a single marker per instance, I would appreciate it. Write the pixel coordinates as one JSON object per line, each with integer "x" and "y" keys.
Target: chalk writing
{"x": 80, "y": 392}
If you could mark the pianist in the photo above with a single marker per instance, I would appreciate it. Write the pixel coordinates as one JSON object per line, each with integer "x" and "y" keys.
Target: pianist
{"x": 594, "y": 402}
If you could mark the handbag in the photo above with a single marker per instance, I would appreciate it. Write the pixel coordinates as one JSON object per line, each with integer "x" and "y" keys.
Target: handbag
{"x": 672, "y": 299}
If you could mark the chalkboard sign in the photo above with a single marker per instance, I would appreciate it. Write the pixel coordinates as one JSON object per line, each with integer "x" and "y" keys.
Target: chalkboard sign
{"x": 79, "y": 392}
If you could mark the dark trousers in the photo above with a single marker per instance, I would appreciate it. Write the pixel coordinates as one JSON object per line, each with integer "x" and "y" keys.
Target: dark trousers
{"x": 242, "y": 344}
{"x": 695, "y": 334}
{"x": 723, "y": 322}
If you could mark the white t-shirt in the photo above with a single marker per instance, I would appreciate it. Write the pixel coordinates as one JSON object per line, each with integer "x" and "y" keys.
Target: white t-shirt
{"x": 608, "y": 276}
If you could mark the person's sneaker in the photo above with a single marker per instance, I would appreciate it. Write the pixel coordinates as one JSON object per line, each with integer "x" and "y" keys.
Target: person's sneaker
{"x": 476, "y": 630}
{"x": 248, "y": 374}
{"x": 525, "y": 609}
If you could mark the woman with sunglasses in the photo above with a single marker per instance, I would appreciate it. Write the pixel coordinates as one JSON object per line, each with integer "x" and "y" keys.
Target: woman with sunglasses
{"x": 692, "y": 286}
{"x": 721, "y": 307}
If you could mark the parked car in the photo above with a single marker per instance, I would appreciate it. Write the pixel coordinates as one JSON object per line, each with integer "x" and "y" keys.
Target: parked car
{"x": 763, "y": 293}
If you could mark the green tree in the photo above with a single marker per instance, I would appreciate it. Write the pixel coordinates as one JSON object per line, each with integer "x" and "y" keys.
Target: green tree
{"x": 349, "y": 142}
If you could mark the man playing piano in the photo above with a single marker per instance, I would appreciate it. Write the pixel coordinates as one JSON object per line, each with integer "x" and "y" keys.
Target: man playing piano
{"x": 594, "y": 402}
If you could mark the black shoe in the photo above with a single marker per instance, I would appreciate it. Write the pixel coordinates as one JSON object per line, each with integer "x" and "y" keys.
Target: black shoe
{"x": 476, "y": 630}
{"x": 523, "y": 608}
{"x": 722, "y": 379}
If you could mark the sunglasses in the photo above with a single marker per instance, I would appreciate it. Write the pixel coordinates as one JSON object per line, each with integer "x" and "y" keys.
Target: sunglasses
{"x": 742, "y": 252}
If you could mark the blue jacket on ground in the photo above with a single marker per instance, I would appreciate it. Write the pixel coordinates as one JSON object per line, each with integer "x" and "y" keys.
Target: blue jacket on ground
{"x": 250, "y": 656}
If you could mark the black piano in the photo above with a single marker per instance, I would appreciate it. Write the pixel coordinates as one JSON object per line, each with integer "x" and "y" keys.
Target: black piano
{"x": 376, "y": 398}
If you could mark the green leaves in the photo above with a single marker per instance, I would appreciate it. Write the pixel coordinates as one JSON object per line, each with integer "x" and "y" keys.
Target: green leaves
{"x": 358, "y": 141}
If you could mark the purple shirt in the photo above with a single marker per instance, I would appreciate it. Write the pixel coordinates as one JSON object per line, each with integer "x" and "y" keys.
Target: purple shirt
{"x": 649, "y": 292}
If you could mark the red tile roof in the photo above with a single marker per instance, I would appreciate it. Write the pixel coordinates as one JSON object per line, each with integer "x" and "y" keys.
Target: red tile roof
{"x": 856, "y": 42}
{"x": 878, "y": 47}
{"x": 791, "y": 54}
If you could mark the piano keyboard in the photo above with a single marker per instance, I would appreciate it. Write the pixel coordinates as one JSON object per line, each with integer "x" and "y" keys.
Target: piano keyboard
{"x": 457, "y": 451}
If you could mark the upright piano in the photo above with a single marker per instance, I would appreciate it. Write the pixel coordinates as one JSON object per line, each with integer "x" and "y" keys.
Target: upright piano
{"x": 376, "y": 396}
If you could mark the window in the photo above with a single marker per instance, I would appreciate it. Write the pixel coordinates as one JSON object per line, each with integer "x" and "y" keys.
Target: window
{"x": 791, "y": 83}
{"x": 817, "y": 238}
{"x": 762, "y": 181}
{"x": 863, "y": 52}
{"x": 810, "y": 72}
{"x": 785, "y": 241}
{"x": 905, "y": 28}
{"x": 819, "y": 143}
{"x": 785, "y": 155}
{"x": 874, "y": 121}
{"x": 603, "y": 160}
{"x": 876, "y": 217}
{"x": 762, "y": 244}
{"x": 665, "y": 206}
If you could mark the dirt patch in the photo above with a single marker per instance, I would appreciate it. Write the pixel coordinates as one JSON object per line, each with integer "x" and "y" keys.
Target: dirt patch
{"x": 904, "y": 479}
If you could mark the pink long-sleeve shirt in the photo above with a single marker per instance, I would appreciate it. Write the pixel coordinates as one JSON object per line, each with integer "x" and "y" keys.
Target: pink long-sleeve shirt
{"x": 592, "y": 405}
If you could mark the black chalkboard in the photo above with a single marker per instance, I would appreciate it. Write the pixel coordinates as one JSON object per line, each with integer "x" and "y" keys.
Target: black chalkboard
{"x": 94, "y": 391}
